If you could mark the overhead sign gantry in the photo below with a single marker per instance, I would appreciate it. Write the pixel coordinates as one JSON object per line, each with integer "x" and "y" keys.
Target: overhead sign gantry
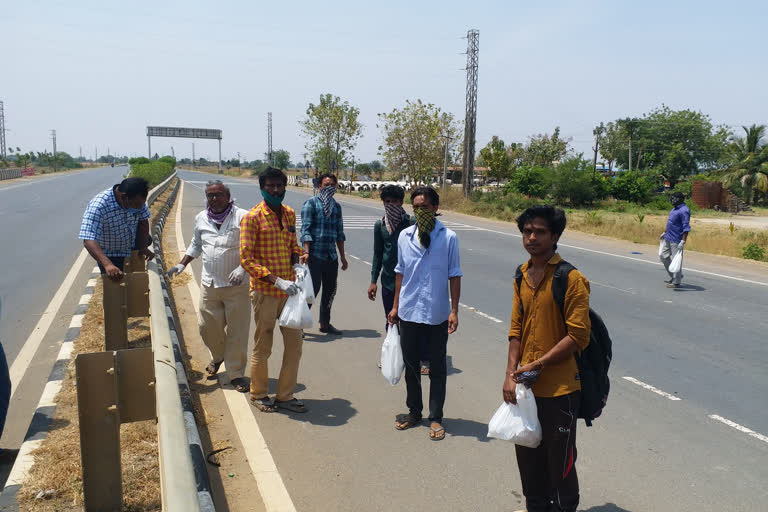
{"x": 187, "y": 133}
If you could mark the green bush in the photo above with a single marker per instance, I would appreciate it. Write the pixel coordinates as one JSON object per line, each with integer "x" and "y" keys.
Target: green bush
{"x": 659, "y": 202}
{"x": 139, "y": 160}
{"x": 154, "y": 172}
{"x": 752, "y": 251}
{"x": 366, "y": 194}
{"x": 632, "y": 186}
{"x": 530, "y": 181}
{"x": 576, "y": 183}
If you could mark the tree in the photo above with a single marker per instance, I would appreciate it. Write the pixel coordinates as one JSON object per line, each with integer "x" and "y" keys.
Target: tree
{"x": 544, "y": 150}
{"x": 333, "y": 129}
{"x": 748, "y": 163}
{"x": 496, "y": 159}
{"x": 632, "y": 186}
{"x": 531, "y": 181}
{"x": 574, "y": 181}
{"x": 413, "y": 139}
{"x": 612, "y": 142}
{"x": 281, "y": 159}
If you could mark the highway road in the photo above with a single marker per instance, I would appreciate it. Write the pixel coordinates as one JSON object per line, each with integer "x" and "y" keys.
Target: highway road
{"x": 40, "y": 221}
{"x": 686, "y": 423}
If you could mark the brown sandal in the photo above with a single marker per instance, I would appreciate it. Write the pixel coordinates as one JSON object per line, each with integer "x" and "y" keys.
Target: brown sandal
{"x": 264, "y": 404}
{"x": 437, "y": 434}
{"x": 406, "y": 421}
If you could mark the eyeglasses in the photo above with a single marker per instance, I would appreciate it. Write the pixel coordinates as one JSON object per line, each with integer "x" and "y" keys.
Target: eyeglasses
{"x": 214, "y": 195}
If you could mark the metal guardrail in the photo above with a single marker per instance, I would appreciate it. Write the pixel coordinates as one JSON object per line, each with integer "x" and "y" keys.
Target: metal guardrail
{"x": 7, "y": 174}
{"x": 155, "y": 192}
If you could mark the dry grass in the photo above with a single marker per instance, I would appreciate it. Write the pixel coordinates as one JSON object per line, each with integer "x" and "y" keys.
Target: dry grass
{"x": 57, "y": 461}
{"x": 237, "y": 172}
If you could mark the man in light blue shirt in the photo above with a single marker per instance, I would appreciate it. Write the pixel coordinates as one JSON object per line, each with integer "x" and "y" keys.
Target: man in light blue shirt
{"x": 674, "y": 238}
{"x": 427, "y": 267}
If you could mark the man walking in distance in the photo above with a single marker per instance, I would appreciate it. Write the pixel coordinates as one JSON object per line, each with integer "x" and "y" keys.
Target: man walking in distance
{"x": 322, "y": 233}
{"x": 224, "y": 313}
{"x": 270, "y": 253}
{"x": 678, "y": 227}
{"x": 427, "y": 267}
{"x": 542, "y": 345}
{"x": 115, "y": 222}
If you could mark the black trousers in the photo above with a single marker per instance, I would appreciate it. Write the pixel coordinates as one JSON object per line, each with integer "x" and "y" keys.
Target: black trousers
{"x": 548, "y": 472}
{"x": 325, "y": 274}
{"x": 412, "y": 336}
{"x": 388, "y": 300}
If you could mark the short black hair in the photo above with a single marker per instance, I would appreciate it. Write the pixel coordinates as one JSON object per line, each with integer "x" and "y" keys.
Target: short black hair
{"x": 554, "y": 217}
{"x": 428, "y": 192}
{"x": 271, "y": 172}
{"x": 678, "y": 195}
{"x": 328, "y": 175}
{"x": 393, "y": 191}
{"x": 134, "y": 187}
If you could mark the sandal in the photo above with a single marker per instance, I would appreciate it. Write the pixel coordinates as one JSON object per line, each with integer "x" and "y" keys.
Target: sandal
{"x": 436, "y": 434}
{"x": 240, "y": 384}
{"x": 293, "y": 405}
{"x": 406, "y": 421}
{"x": 425, "y": 369}
{"x": 264, "y": 404}
{"x": 213, "y": 368}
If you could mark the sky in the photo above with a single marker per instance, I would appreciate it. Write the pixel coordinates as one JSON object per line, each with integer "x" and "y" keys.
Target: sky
{"x": 99, "y": 73}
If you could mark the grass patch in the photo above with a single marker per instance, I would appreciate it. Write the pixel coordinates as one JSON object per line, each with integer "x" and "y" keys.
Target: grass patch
{"x": 57, "y": 462}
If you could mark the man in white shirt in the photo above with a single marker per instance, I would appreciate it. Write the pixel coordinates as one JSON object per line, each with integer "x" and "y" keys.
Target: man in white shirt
{"x": 225, "y": 314}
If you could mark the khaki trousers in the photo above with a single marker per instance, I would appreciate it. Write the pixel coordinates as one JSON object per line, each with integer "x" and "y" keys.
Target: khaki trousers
{"x": 266, "y": 311}
{"x": 224, "y": 324}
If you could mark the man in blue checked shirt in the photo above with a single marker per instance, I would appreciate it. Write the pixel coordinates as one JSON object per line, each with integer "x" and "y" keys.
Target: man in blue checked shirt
{"x": 674, "y": 238}
{"x": 322, "y": 233}
{"x": 116, "y": 222}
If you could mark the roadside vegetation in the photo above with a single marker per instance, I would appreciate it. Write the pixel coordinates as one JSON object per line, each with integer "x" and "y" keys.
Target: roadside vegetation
{"x": 154, "y": 171}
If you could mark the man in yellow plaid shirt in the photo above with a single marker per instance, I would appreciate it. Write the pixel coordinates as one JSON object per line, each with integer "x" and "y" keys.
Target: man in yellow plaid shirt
{"x": 270, "y": 253}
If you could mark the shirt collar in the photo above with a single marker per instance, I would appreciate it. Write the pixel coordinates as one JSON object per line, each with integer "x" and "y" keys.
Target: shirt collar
{"x": 113, "y": 197}
{"x": 554, "y": 260}
{"x": 438, "y": 227}
{"x": 266, "y": 209}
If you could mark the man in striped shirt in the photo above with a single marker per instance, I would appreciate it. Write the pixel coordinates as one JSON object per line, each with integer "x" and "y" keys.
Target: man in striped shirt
{"x": 224, "y": 314}
{"x": 270, "y": 253}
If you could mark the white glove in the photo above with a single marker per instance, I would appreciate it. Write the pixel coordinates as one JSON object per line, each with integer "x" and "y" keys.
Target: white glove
{"x": 681, "y": 245}
{"x": 288, "y": 287}
{"x": 178, "y": 269}
{"x": 300, "y": 272}
{"x": 237, "y": 276}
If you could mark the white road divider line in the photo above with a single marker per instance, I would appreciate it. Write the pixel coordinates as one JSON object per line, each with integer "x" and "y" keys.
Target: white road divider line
{"x": 611, "y": 287}
{"x": 740, "y": 428}
{"x": 268, "y": 480}
{"x": 480, "y": 313}
{"x": 354, "y": 257}
{"x": 653, "y": 389}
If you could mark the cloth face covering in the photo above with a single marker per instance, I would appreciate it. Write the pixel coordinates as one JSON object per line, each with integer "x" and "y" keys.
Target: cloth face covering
{"x": 675, "y": 201}
{"x": 425, "y": 221}
{"x": 218, "y": 218}
{"x": 272, "y": 200}
{"x": 326, "y": 197}
{"x": 393, "y": 216}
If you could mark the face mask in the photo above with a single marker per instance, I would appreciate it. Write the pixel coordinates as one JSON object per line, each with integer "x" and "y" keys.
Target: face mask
{"x": 425, "y": 222}
{"x": 675, "y": 201}
{"x": 272, "y": 200}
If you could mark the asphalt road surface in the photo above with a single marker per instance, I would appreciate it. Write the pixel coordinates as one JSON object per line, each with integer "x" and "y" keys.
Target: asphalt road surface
{"x": 686, "y": 420}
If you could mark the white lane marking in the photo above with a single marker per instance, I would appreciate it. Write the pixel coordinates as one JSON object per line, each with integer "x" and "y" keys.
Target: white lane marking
{"x": 651, "y": 388}
{"x": 270, "y": 483}
{"x": 27, "y": 352}
{"x": 480, "y": 313}
{"x": 611, "y": 287}
{"x": 368, "y": 263}
{"x": 354, "y": 257}
{"x": 740, "y": 428}
{"x": 77, "y": 321}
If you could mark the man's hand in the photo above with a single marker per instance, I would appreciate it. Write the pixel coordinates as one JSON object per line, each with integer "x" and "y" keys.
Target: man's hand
{"x": 344, "y": 264}
{"x": 508, "y": 390}
{"x": 392, "y": 317}
{"x": 681, "y": 245}
{"x": 237, "y": 276}
{"x": 148, "y": 255}
{"x": 661, "y": 236}
{"x": 372, "y": 291}
{"x": 453, "y": 322}
{"x": 178, "y": 269}
{"x": 536, "y": 365}
{"x": 288, "y": 287}
{"x": 300, "y": 272}
{"x": 114, "y": 273}
{"x": 304, "y": 258}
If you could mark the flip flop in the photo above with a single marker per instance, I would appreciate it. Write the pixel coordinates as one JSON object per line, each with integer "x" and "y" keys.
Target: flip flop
{"x": 240, "y": 384}
{"x": 424, "y": 370}
{"x": 406, "y": 421}
{"x": 435, "y": 433}
{"x": 264, "y": 404}
{"x": 213, "y": 368}
{"x": 293, "y": 405}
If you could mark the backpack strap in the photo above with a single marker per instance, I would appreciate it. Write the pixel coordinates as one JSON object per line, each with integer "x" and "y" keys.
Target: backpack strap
{"x": 560, "y": 284}
{"x": 519, "y": 282}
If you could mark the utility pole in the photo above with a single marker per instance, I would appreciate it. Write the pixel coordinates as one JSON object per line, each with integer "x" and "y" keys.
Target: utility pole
{"x": 173, "y": 153}
{"x": 269, "y": 138}
{"x": 81, "y": 152}
{"x": 53, "y": 136}
{"x": 448, "y": 139}
{"x": 193, "y": 155}
{"x": 3, "y": 149}
{"x": 470, "y": 118}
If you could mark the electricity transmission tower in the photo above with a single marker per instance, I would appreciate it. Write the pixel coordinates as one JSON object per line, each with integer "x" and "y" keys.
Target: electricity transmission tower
{"x": 3, "y": 153}
{"x": 269, "y": 138}
{"x": 470, "y": 118}
{"x": 53, "y": 136}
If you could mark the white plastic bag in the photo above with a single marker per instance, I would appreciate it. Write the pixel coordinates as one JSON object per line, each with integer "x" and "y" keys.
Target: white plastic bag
{"x": 677, "y": 262}
{"x": 296, "y": 313}
{"x": 661, "y": 248}
{"x": 519, "y": 422}
{"x": 305, "y": 283}
{"x": 392, "y": 364}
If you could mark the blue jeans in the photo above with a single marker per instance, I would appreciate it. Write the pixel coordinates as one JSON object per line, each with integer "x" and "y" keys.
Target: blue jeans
{"x": 5, "y": 389}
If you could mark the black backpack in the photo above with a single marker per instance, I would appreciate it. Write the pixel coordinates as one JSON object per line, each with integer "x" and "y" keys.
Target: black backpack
{"x": 594, "y": 361}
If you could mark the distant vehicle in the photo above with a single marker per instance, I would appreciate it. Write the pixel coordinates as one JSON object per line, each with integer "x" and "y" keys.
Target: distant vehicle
{"x": 112, "y": 164}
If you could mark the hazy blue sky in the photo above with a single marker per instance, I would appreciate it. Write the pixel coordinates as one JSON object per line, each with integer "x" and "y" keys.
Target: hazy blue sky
{"x": 100, "y": 73}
